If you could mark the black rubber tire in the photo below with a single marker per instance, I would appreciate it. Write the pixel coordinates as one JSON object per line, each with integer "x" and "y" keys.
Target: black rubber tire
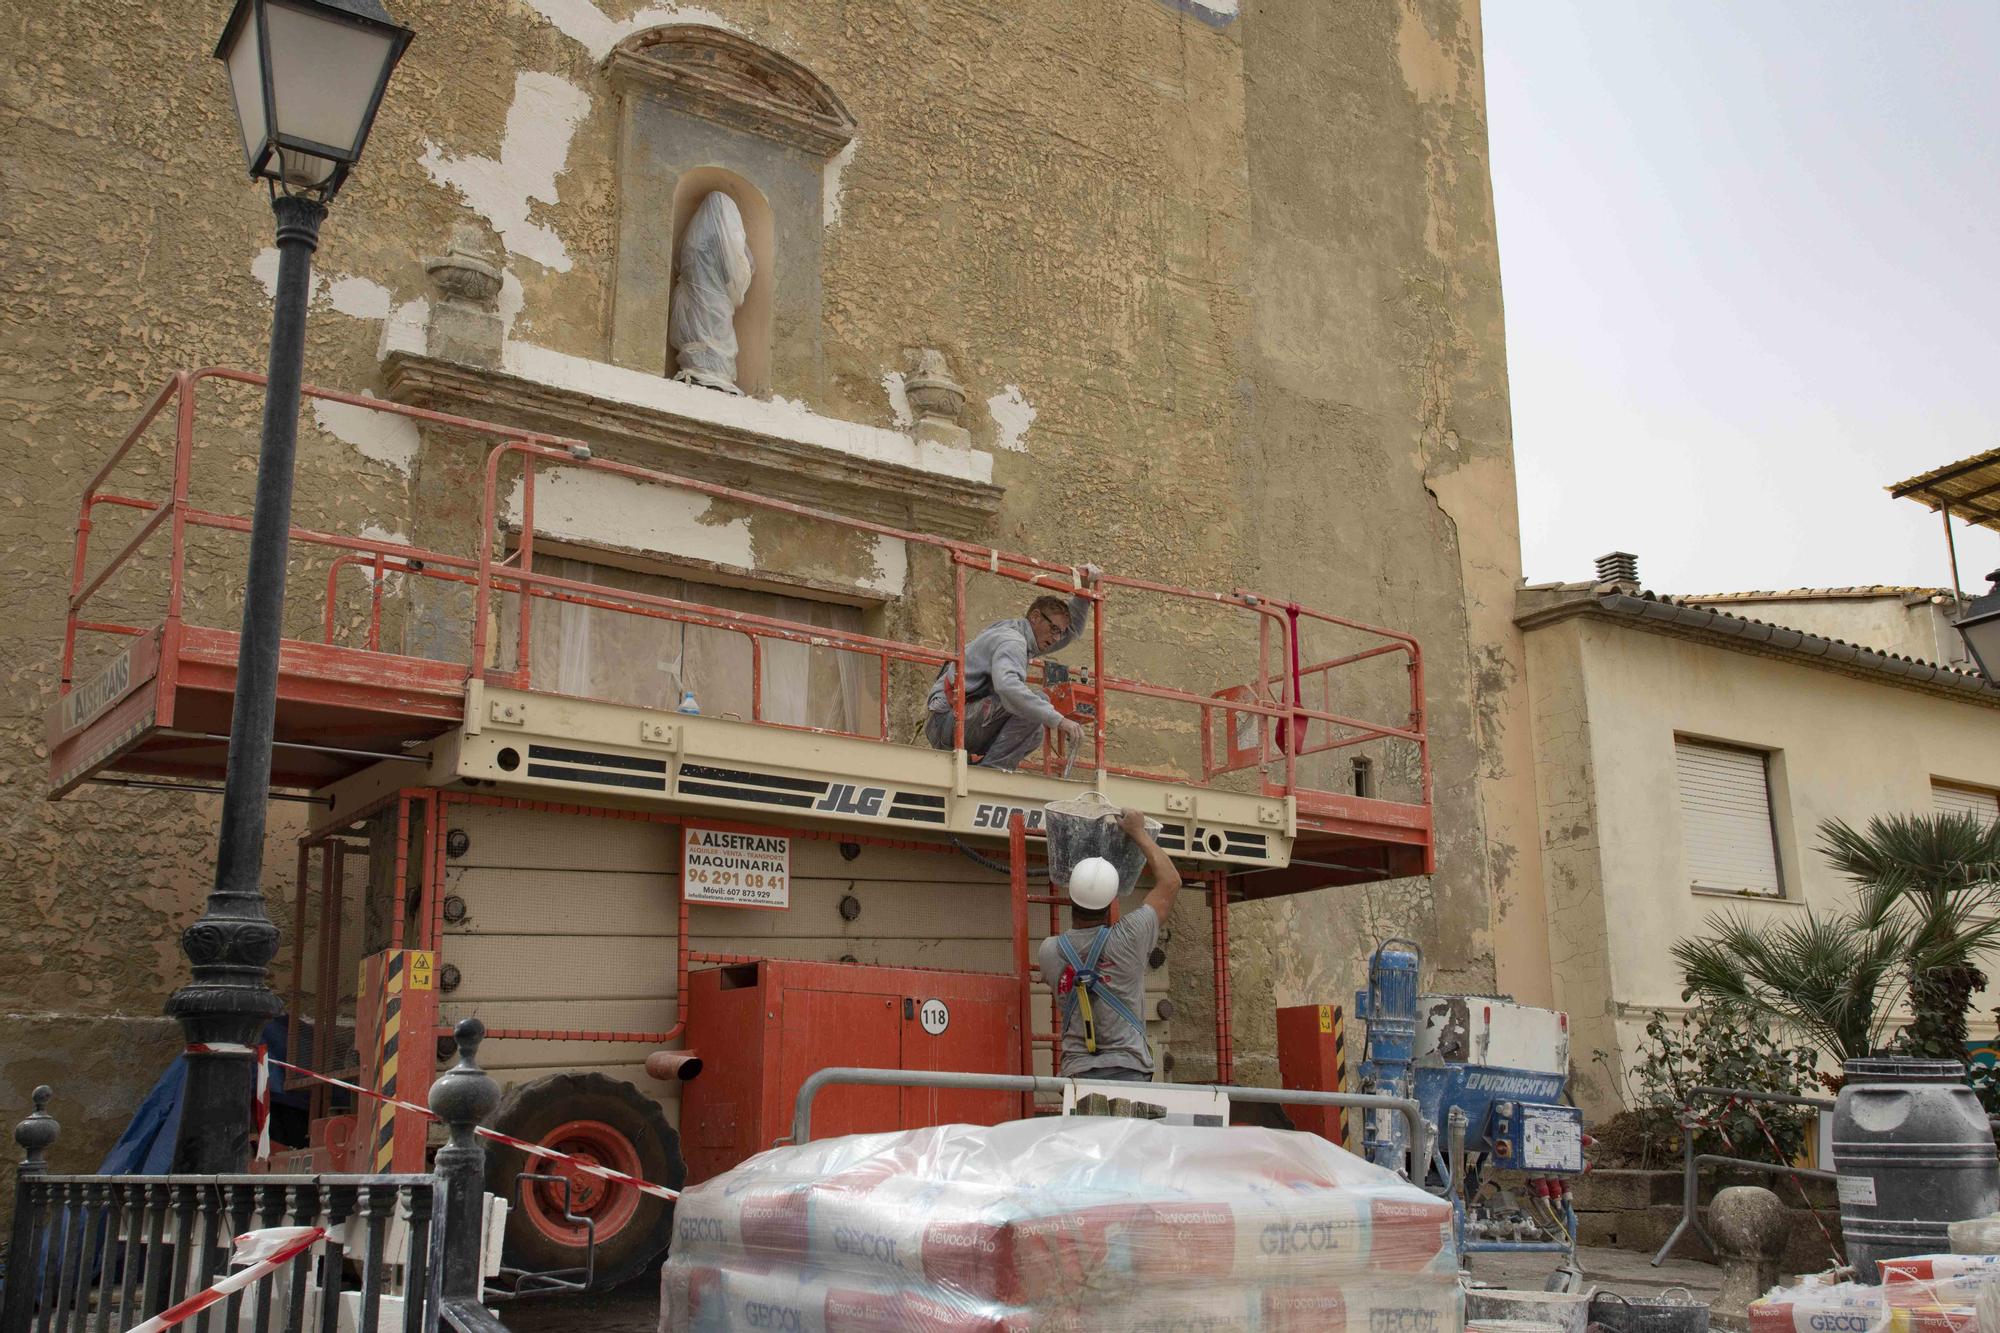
{"x": 531, "y": 1110}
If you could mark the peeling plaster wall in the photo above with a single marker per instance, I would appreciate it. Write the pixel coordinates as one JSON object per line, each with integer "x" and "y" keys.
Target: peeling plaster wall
{"x": 1221, "y": 286}
{"x": 1377, "y": 466}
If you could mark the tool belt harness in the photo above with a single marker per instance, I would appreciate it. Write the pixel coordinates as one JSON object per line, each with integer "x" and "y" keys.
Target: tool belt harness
{"x": 1089, "y": 982}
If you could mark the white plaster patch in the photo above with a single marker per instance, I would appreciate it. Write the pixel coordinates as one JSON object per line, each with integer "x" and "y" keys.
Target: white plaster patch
{"x": 403, "y": 331}
{"x": 1012, "y": 414}
{"x": 892, "y": 566}
{"x": 582, "y": 21}
{"x": 375, "y": 532}
{"x": 264, "y": 268}
{"x": 829, "y": 183}
{"x": 385, "y": 437}
{"x": 510, "y": 301}
{"x": 533, "y": 152}
{"x": 899, "y": 400}
{"x": 779, "y": 418}
{"x": 362, "y": 298}
{"x": 577, "y": 504}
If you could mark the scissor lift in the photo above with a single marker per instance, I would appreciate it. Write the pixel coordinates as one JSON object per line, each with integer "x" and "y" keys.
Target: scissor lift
{"x": 419, "y": 769}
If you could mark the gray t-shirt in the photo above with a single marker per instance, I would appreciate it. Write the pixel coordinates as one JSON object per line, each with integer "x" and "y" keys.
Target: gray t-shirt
{"x": 1121, "y": 968}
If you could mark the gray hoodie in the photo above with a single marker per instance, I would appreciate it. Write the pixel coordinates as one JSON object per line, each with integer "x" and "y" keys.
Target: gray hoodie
{"x": 1000, "y": 655}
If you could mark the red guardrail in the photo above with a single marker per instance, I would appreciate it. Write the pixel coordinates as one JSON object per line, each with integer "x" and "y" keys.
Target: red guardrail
{"x": 1273, "y": 702}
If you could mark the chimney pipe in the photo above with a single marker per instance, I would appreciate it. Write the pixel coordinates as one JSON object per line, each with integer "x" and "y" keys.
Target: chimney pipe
{"x": 1618, "y": 567}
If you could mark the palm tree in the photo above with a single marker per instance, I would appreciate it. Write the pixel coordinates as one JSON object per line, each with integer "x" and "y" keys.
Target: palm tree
{"x": 1833, "y": 979}
{"x": 1939, "y": 875}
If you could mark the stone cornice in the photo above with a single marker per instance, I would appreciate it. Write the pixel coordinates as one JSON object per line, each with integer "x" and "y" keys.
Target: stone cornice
{"x": 798, "y": 471}
{"x": 723, "y": 78}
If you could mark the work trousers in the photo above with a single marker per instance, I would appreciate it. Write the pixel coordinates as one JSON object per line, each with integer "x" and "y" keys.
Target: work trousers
{"x": 998, "y": 737}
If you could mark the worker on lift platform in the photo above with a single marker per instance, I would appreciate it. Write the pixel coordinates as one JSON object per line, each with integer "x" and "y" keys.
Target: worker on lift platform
{"x": 1004, "y": 715}
{"x": 1098, "y": 970}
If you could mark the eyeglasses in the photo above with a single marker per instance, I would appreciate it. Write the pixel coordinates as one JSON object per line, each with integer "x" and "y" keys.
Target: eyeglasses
{"x": 1058, "y": 627}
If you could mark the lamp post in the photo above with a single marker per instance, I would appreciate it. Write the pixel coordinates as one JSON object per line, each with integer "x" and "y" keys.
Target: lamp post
{"x": 1980, "y": 628}
{"x": 306, "y": 77}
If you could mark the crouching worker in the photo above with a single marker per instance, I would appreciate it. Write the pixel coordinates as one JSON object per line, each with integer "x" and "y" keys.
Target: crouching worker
{"x": 1004, "y": 715}
{"x": 1098, "y": 970}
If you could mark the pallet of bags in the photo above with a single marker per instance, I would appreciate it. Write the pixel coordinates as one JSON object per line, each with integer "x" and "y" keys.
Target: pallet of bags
{"x": 803, "y": 1300}
{"x": 1062, "y": 1223}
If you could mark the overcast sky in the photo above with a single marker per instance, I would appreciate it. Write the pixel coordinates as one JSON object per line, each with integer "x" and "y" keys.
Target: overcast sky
{"x": 1751, "y": 279}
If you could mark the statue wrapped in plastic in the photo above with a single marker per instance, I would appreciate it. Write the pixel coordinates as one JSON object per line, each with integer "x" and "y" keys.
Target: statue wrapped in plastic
{"x": 714, "y": 277}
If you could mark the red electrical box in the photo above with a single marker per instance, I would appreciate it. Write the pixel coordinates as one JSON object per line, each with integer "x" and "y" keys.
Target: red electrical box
{"x": 762, "y": 1028}
{"x": 1312, "y": 1054}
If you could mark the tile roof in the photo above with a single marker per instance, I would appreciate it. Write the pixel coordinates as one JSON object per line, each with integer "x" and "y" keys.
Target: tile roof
{"x": 1858, "y": 593}
{"x": 1629, "y": 601}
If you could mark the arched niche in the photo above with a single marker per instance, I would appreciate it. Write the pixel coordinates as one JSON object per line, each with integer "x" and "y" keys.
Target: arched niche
{"x": 703, "y": 109}
{"x": 753, "y": 317}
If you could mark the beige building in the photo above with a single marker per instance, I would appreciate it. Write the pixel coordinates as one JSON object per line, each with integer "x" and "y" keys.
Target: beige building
{"x": 1687, "y": 750}
{"x": 1206, "y": 293}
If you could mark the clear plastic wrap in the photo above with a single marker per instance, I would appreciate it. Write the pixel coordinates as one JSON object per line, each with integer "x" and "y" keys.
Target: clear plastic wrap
{"x": 1926, "y": 1293}
{"x": 1840, "y": 1307}
{"x": 1059, "y": 1223}
{"x": 714, "y": 277}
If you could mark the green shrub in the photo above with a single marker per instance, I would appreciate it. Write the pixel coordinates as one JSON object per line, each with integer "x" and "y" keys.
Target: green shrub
{"x": 1718, "y": 1047}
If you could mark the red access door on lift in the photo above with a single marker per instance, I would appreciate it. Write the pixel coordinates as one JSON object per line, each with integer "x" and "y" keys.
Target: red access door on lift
{"x": 763, "y": 1028}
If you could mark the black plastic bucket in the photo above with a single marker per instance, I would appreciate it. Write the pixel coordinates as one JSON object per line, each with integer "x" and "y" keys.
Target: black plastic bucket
{"x": 1087, "y": 825}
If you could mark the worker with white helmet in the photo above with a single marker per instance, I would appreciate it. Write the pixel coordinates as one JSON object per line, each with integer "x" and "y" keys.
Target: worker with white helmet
{"x": 1098, "y": 970}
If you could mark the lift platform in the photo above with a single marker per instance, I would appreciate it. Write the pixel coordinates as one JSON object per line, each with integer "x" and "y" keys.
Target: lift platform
{"x": 526, "y": 854}
{"x": 146, "y": 698}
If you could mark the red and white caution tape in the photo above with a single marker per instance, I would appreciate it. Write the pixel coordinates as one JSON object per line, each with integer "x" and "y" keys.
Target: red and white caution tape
{"x": 532, "y": 1149}
{"x": 265, "y": 1251}
{"x": 260, "y": 1099}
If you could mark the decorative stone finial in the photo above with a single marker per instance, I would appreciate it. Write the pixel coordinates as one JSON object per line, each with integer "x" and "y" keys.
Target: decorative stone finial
{"x": 464, "y": 1095}
{"x": 464, "y": 323}
{"x": 936, "y": 398}
{"x": 37, "y": 1133}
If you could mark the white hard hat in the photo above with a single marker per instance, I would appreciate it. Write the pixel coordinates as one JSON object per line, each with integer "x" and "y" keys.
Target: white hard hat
{"x": 1093, "y": 883}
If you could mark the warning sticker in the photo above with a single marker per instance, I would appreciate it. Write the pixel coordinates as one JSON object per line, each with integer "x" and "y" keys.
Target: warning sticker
{"x": 421, "y": 968}
{"x": 728, "y": 869}
{"x": 1857, "y": 1190}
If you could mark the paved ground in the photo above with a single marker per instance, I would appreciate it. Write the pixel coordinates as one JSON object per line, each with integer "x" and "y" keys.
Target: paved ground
{"x": 1627, "y": 1272}
{"x": 635, "y": 1307}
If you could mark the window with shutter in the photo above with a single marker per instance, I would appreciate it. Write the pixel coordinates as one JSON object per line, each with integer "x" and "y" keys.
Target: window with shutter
{"x": 1726, "y": 823}
{"x": 1950, "y": 800}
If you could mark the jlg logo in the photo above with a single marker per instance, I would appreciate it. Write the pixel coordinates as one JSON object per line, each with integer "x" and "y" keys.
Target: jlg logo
{"x": 844, "y": 798}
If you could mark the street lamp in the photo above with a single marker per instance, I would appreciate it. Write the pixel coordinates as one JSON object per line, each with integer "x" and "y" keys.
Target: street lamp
{"x": 306, "y": 77}
{"x": 1980, "y": 628}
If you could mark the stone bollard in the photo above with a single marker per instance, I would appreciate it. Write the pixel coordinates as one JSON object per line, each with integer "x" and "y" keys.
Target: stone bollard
{"x": 1748, "y": 1227}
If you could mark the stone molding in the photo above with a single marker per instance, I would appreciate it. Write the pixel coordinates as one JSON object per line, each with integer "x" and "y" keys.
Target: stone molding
{"x": 715, "y": 452}
{"x": 732, "y": 81}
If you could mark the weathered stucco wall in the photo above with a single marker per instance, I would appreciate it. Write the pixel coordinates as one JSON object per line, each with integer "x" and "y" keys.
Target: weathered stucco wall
{"x": 1609, "y": 700}
{"x": 1222, "y": 289}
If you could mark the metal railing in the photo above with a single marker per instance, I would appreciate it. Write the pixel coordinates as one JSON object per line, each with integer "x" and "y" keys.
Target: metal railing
{"x": 98, "y": 1254}
{"x": 1034, "y": 1083}
{"x": 107, "y": 1252}
{"x": 1285, "y": 727}
{"x": 1693, "y": 1162}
